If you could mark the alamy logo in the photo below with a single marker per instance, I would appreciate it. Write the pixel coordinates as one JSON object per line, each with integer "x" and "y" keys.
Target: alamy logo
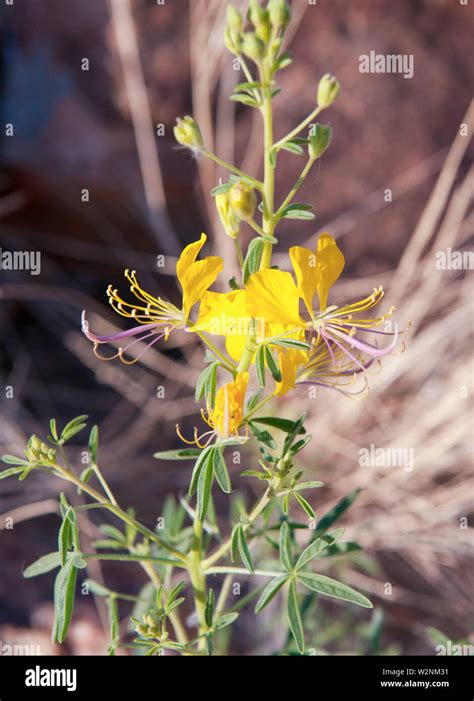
{"x": 403, "y": 64}
{"x": 18, "y": 650}
{"x": 21, "y": 260}
{"x": 51, "y": 677}
{"x": 454, "y": 649}
{"x": 387, "y": 457}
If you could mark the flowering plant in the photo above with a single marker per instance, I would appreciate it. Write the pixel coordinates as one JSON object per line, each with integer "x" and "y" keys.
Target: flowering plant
{"x": 281, "y": 330}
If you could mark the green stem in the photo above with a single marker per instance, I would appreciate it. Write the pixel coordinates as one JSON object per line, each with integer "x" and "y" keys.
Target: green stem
{"x": 198, "y": 580}
{"x": 299, "y": 128}
{"x": 269, "y": 172}
{"x": 260, "y": 506}
{"x": 228, "y": 166}
{"x": 295, "y": 188}
{"x": 228, "y": 365}
{"x": 242, "y": 570}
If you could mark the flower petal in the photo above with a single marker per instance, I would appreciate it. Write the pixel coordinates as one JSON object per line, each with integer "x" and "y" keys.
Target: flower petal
{"x": 273, "y": 296}
{"x": 194, "y": 276}
{"x": 305, "y": 267}
{"x": 330, "y": 264}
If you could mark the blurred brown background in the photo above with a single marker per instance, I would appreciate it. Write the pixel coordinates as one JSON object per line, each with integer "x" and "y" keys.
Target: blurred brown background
{"x": 108, "y": 129}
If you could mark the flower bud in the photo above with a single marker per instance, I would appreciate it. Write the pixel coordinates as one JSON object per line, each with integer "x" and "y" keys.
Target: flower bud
{"x": 187, "y": 133}
{"x": 253, "y": 46}
{"x": 328, "y": 90}
{"x": 234, "y": 19}
{"x": 232, "y": 40}
{"x": 280, "y": 14}
{"x": 243, "y": 201}
{"x": 319, "y": 140}
{"x": 228, "y": 217}
{"x": 257, "y": 15}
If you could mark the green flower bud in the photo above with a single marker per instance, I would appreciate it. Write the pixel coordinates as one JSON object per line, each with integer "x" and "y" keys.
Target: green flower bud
{"x": 280, "y": 14}
{"x": 253, "y": 46}
{"x": 243, "y": 201}
{"x": 187, "y": 133}
{"x": 319, "y": 140}
{"x": 234, "y": 19}
{"x": 232, "y": 40}
{"x": 228, "y": 217}
{"x": 35, "y": 444}
{"x": 257, "y": 15}
{"x": 328, "y": 90}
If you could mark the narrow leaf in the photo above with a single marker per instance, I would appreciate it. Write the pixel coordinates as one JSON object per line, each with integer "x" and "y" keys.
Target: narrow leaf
{"x": 331, "y": 587}
{"x": 270, "y": 591}
{"x": 294, "y": 617}
{"x": 44, "y": 564}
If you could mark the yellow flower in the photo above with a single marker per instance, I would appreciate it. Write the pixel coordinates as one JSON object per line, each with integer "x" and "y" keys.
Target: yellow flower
{"x": 317, "y": 271}
{"x": 158, "y": 317}
{"x": 226, "y": 417}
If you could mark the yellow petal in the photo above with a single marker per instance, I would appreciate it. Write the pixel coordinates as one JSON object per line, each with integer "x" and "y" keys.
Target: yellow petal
{"x": 273, "y": 296}
{"x": 288, "y": 368}
{"x": 228, "y": 411}
{"x": 305, "y": 267}
{"x": 330, "y": 264}
{"x": 220, "y": 313}
{"x": 194, "y": 276}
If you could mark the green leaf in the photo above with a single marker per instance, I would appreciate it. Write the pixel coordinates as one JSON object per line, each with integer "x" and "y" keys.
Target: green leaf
{"x": 293, "y": 147}
{"x": 244, "y": 99}
{"x": 294, "y": 617}
{"x": 299, "y": 206}
{"x": 297, "y": 426}
{"x": 283, "y": 61}
{"x": 226, "y": 620}
{"x": 204, "y": 457}
{"x": 73, "y": 427}
{"x": 64, "y": 588}
{"x": 273, "y": 157}
{"x": 254, "y": 400}
{"x": 275, "y": 92}
{"x": 305, "y": 505}
{"x": 210, "y": 644}
{"x": 174, "y": 593}
{"x": 114, "y": 624}
{"x": 285, "y": 425}
{"x": 263, "y": 436}
{"x": 260, "y": 366}
{"x": 291, "y": 343}
{"x": 286, "y": 556}
{"x": 272, "y": 365}
{"x": 64, "y": 540}
{"x": 44, "y": 564}
{"x": 307, "y": 485}
{"x": 342, "y": 549}
{"x": 270, "y": 591}
{"x": 211, "y": 384}
{"x": 335, "y": 513}
{"x": 54, "y": 430}
{"x": 316, "y": 547}
{"x": 220, "y": 471}
{"x": 181, "y": 454}
{"x": 252, "y": 259}
{"x": 331, "y": 587}
{"x": 201, "y": 383}
{"x": 12, "y": 471}
{"x": 209, "y": 610}
{"x": 13, "y": 460}
{"x": 244, "y": 550}
{"x": 94, "y": 443}
{"x": 204, "y": 486}
{"x": 243, "y": 87}
{"x": 297, "y": 214}
{"x": 234, "y": 542}
{"x": 220, "y": 189}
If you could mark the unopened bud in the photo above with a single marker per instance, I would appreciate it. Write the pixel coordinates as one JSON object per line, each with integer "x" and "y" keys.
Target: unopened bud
{"x": 243, "y": 201}
{"x": 319, "y": 140}
{"x": 234, "y": 18}
{"x": 187, "y": 133}
{"x": 280, "y": 14}
{"x": 228, "y": 217}
{"x": 328, "y": 90}
{"x": 253, "y": 46}
{"x": 233, "y": 41}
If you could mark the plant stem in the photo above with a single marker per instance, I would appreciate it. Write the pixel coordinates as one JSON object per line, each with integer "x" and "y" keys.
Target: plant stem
{"x": 242, "y": 570}
{"x": 299, "y": 128}
{"x": 198, "y": 580}
{"x": 259, "y": 507}
{"x": 269, "y": 171}
{"x": 228, "y": 166}
{"x": 295, "y": 188}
